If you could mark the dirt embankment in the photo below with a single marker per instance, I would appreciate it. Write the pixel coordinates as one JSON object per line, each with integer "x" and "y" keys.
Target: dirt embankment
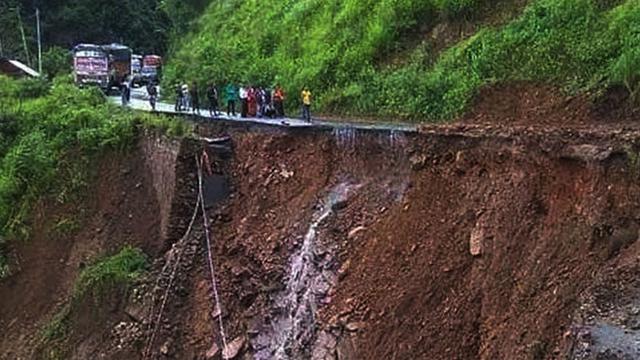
{"x": 128, "y": 203}
{"x": 448, "y": 245}
{"x": 462, "y": 242}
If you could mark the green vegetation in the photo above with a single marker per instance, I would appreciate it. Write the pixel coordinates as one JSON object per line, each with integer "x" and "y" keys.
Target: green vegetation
{"x": 50, "y": 131}
{"x": 56, "y": 61}
{"x": 335, "y": 47}
{"x": 49, "y": 134}
{"x": 140, "y": 24}
{"x": 117, "y": 271}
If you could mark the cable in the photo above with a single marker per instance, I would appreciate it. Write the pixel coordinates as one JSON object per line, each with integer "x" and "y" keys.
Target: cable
{"x": 174, "y": 271}
{"x": 214, "y": 285}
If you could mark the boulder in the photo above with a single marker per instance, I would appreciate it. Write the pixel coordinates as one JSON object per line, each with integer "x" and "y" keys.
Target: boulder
{"x": 475, "y": 240}
{"x": 355, "y": 326}
{"x": 418, "y": 161}
{"x": 232, "y": 350}
{"x": 213, "y": 352}
{"x": 586, "y": 153}
{"x": 355, "y": 231}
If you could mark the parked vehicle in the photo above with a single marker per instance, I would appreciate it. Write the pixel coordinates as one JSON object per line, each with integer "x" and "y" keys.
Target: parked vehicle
{"x": 119, "y": 64}
{"x": 151, "y": 69}
{"x": 90, "y": 66}
{"x": 136, "y": 69}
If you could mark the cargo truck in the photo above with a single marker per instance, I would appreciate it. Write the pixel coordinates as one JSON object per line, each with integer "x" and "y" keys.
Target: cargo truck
{"x": 151, "y": 69}
{"x": 90, "y": 66}
{"x": 119, "y": 64}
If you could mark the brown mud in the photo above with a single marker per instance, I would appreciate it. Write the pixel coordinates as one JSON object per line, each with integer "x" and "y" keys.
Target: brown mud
{"x": 502, "y": 236}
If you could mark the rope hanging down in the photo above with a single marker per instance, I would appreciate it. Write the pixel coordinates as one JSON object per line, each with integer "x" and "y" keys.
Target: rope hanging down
{"x": 214, "y": 284}
{"x": 174, "y": 270}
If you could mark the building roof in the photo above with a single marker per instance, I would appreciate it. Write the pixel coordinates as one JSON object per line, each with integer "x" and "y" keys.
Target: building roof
{"x": 16, "y": 68}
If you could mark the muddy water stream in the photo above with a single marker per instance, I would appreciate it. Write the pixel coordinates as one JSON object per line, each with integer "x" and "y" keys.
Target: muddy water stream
{"x": 292, "y": 331}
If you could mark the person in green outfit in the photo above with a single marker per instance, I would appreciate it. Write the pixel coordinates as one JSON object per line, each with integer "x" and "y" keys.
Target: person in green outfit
{"x": 231, "y": 94}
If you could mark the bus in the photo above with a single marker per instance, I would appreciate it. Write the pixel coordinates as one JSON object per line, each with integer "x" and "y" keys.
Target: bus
{"x": 90, "y": 66}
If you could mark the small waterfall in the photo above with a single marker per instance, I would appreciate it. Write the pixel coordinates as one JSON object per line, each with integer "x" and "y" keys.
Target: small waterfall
{"x": 395, "y": 141}
{"x": 397, "y": 138}
{"x": 292, "y": 331}
{"x": 345, "y": 137}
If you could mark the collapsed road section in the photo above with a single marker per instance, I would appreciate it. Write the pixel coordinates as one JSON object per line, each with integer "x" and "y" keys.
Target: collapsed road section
{"x": 358, "y": 244}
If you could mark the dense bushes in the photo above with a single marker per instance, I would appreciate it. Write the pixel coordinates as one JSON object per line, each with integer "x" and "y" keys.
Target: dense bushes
{"x": 334, "y": 47}
{"x": 49, "y": 134}
{"x": 43, "y": 130}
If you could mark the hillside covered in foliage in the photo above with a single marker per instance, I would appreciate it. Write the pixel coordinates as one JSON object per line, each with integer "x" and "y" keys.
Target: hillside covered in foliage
{"x": 49, "y": 134}
{"x": 142, "y": 24}
{"x": 411, "y": 59}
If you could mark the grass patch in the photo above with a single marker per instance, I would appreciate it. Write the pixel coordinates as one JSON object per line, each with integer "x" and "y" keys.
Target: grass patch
{"x": 333, "y": 47}
{"x": 58, "y": 328}
{"x": 120, "y": 269}
{"x": 4, "y": 266}
{"x": 107, "y": 274}
{"x": 66, "y": 226}
{"x": 170, "y": 126}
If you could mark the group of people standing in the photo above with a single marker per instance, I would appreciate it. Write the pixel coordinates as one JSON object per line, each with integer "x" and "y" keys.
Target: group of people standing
{"x": 255, "y": 101}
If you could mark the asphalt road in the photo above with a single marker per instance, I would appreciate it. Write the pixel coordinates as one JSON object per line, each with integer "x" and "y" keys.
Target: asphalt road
{"x": 139, "y": 102}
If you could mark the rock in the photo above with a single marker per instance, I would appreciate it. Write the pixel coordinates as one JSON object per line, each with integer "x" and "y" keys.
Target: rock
{"x": 135, "y": 312}
{"x": 286, "y": 174}
{"x": 475, "y": 240}
{"x": 238, "y": 271}
{"x": 216, "y": 312}
{"x": 233, "y": 348}
{"x": 213, "y": 352}
{"x": 342, "y": 272}
{"x": 461, "y": 161}
{"x": 418, "y": 162}
{"x": 164, "y": 349}
{"x": 355, "y": 326}
{"x": 586, "y": 153}
{"x": 355, "y": 231}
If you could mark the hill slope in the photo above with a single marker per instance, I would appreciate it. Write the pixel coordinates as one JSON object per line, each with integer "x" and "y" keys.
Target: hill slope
{"x": 339, "y": 48}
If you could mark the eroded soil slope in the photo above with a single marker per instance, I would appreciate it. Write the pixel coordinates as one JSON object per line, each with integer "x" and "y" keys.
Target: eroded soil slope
{"x": 460, "y": 242}
{"x": 121, "y": 207}
{"x": 452, "y": 244}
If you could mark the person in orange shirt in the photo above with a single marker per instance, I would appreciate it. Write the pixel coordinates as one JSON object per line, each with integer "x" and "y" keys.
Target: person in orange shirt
{"x": 306, "y": 104}
{"x": 278, "y": 101}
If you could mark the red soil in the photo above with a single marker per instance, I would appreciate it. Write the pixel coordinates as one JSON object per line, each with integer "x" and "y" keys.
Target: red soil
{"x": 120, "y": 209}
{"x": 477, "y": 240}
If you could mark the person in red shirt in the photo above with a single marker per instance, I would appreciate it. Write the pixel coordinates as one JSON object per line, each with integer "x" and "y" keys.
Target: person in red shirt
{"x": 251, "y": 100}
{"x": 278, "y": 101}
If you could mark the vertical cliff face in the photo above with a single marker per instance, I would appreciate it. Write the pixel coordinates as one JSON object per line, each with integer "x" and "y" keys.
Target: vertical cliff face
{"x": 129, "y": 202}
{"x": 352, "y": 244}
{"x": 357, "y": 244}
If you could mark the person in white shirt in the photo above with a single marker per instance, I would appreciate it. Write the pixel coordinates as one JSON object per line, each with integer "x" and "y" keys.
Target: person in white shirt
{"x": 244, "y": 105}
